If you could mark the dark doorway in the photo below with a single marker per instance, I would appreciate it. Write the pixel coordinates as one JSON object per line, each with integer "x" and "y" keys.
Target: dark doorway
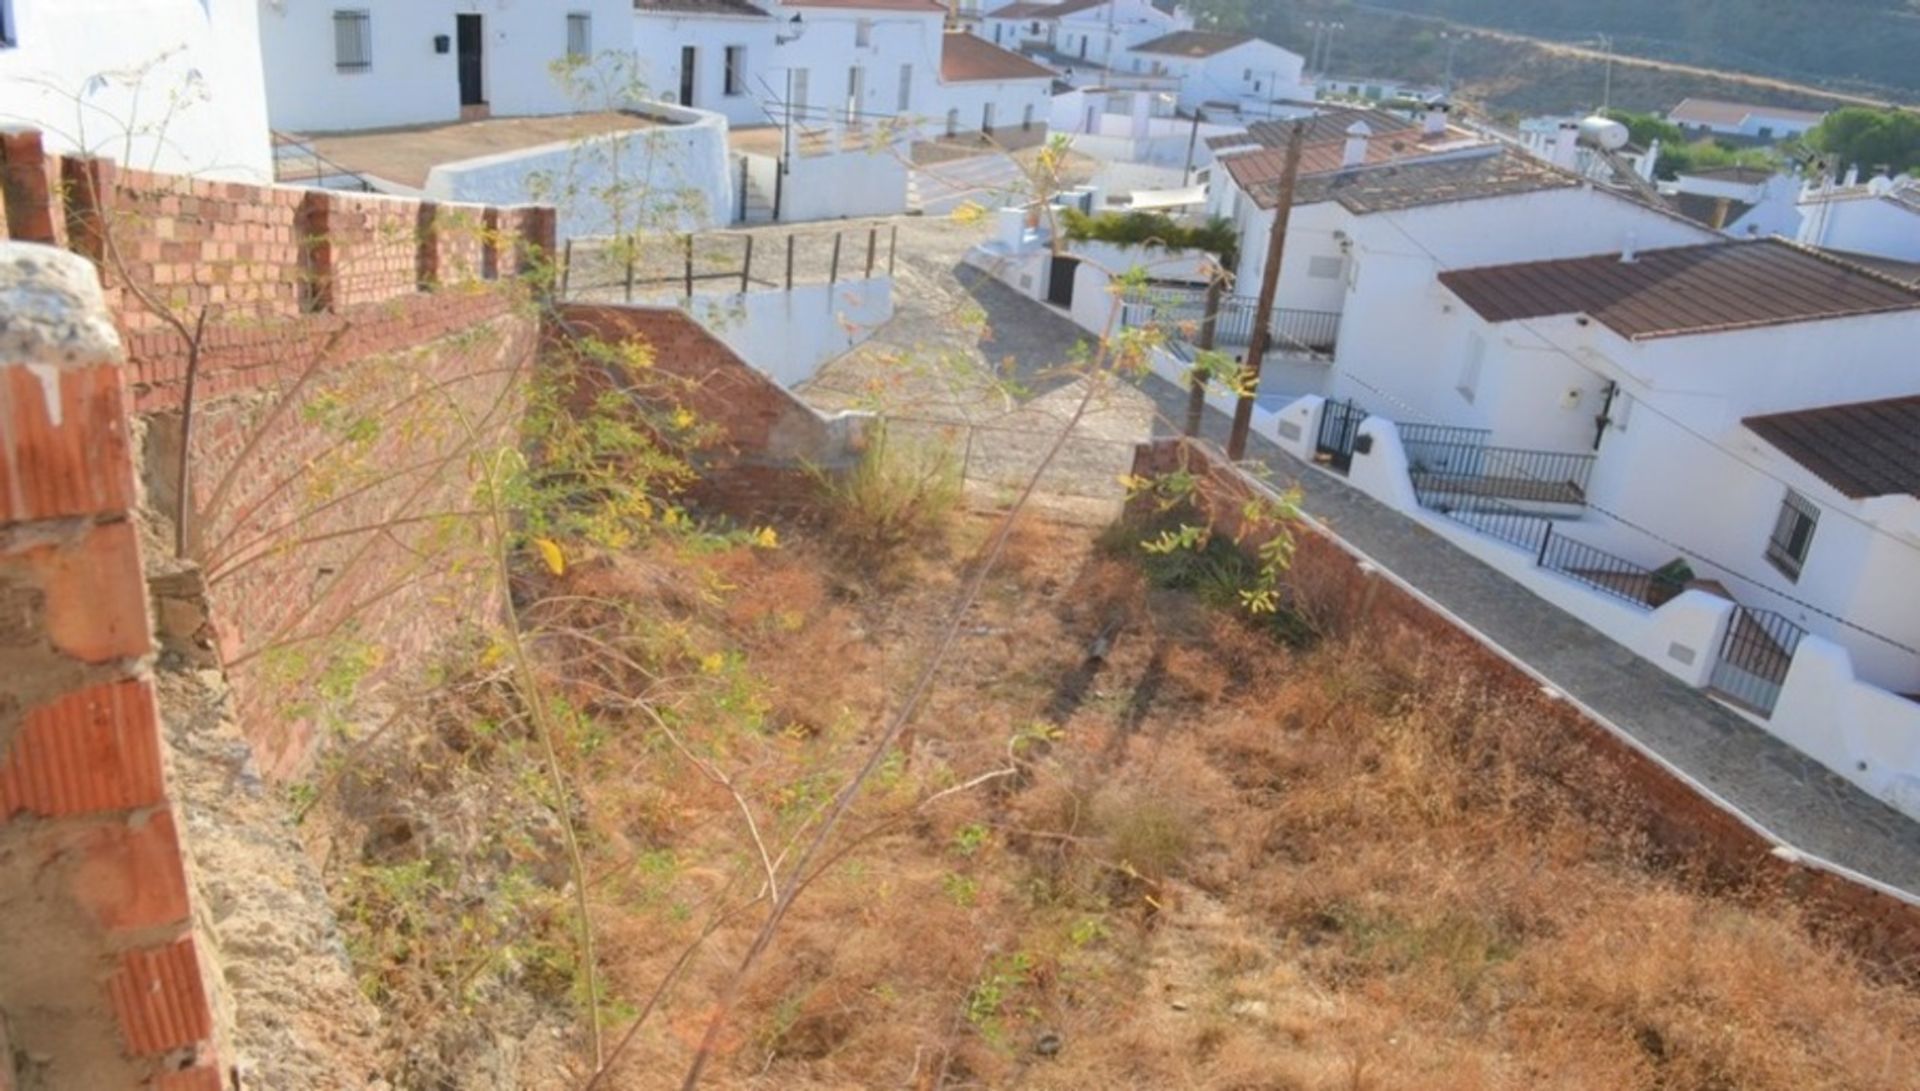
{"x": 1060, "y": 281}
{"x": 689, "y": 56}
{"x": 472, "y": 88}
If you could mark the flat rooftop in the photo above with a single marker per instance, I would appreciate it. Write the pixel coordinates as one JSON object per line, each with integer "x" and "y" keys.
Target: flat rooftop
{"x": 405, "y": 155}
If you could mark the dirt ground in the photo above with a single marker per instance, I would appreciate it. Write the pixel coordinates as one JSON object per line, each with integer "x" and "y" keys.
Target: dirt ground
{"x": 1130, "y": 841}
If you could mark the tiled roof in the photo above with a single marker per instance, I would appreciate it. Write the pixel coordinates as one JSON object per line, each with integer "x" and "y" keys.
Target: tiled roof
{"x": 1193, "y": 43}
{"x": 1864, "y": 449}
{"x": 700, "y": 7}
{"x": 1746, "y": 176}
{"x": 1702, "y": 209}
{"x": 1684, "y": 289}
{"x": 965, "y": 58}
{"x": 1258, "y": 171}
{"x": 1040, "y": 10}
{"x": 1398, "y": 186}
{"x": 1329, "y": 125}
{"x": 922, "y": 7}
{"x": 1707, "y": 111}
{"x": 1906, "y": 272}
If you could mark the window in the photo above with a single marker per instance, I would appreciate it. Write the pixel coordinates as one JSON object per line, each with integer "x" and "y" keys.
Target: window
{"x": 1035, "y": 28}
{"x": 1026, "y": 119}
{"x": 352, "y": 41}
{"x": 736, "y": 70}
{"x": 1469, "y": 384}
{"x": 579, "y": 34}
{"x": 8, "y": 37}
{"x": 905, "y": 105}
{"x": 1792, "y": 534}
{"x": 863, "y": 32}
{"x": 986, "y": 119}
{"x": 1249, "y": 76}
{"x": 1325, "y": 266}
{"x": 953, "y": 121}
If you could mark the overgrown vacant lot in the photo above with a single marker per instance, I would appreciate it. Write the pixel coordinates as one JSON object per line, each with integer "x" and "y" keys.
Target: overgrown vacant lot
{"x": 1211, "y": 858}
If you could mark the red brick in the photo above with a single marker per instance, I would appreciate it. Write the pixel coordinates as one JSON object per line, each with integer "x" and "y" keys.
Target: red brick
{"x": 65, "y": 451}
{"x": 130, "y": 875}
{"x": 159, "y": 999}
{"x": 96, "y": 606}
{"x": 33, "y": 215}
{"x": 90, "y": 751}
{"x": 204, "y": 1076}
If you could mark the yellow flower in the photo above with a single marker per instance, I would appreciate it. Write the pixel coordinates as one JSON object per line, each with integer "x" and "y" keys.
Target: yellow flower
{"x": 765, "y": 538}
{"x": 713, "y": 664}
{"x": 550, "y": 553}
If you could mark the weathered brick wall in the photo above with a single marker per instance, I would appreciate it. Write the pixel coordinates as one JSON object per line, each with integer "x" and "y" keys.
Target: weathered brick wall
{"x": 101, "y": 981}
{"x": 767, "y": 435}
{"x": 343, "y": 356}
{"x": 1624, "y": 785}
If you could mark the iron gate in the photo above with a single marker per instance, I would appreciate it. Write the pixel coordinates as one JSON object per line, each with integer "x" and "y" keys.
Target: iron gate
{"x": 1339, "y": 426}
{"x": 1754, "y": 657}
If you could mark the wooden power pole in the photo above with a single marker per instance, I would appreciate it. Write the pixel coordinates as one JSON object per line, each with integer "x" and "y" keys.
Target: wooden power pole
{"x": 1197, "y": 382}
{"x": 1269, "y": 287}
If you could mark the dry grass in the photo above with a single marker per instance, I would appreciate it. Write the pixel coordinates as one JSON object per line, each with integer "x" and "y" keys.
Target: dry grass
{"x": 1225, "y": 863}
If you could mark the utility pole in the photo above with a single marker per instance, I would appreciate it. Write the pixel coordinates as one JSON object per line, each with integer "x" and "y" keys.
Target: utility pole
{"x": 1269, "y": 287}
{"x": 1197, "y": 382}
{"x": 1193, "y": 145}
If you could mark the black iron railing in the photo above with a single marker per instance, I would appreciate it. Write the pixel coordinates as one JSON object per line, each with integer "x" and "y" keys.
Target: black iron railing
{"x": 1606, "y": 572}
{"x": 1489, "y": 516}
{"x": 1472, "y": 467}
{"x": 1182, "y": 310}
{"x": 1754, "y": 658}
{"x": 1339, "y": 434}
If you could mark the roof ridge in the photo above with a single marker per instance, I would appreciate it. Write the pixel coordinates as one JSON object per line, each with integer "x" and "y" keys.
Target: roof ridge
{"x": 1832, "y": 258}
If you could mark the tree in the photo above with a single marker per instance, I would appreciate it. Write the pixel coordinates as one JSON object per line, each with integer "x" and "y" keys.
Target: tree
{"x": 1644, "y": 129}
{"x": 1869, "y": 138}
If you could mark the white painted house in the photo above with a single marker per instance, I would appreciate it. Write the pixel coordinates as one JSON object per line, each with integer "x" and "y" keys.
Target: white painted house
{"x": 168, "y": 85}
{"x": 1714, "y": 117}
{"x": 1086, "y": 36}
{"x": 1743, "y": 202}
{"x": 1880, "y": 218}
{"x": 716, "y": 55}
{"x": 386, "y": 63}
{"x": 1237, "y": 72}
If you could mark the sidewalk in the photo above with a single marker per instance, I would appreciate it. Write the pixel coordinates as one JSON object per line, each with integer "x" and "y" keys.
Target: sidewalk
{"x": 1791, "y": 795}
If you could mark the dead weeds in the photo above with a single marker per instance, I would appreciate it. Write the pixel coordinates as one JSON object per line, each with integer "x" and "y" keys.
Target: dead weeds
{"x": 1223, "y": 861}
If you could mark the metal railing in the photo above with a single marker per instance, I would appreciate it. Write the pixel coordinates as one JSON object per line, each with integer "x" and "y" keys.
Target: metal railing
{"x": 1754, "y": 658}
{"x": 1608, "y": 573}
{"x": 1182, "y": 310}
{"x": 1441, "y": 458}
{"x": 605, "y": 267}
{"x": 297, "y": 162}
{"x": 1489, "y": 516}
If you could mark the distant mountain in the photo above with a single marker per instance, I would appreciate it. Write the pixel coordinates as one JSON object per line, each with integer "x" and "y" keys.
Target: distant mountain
{"x": 1863, "y": 45}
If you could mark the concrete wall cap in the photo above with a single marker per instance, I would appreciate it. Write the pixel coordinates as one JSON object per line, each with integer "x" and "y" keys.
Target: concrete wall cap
{"x": 52, "y": 311}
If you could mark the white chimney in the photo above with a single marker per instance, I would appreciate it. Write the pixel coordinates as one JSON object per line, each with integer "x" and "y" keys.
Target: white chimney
{"x": 1355, "y": 153}
{"x": 1437, "y": 118}
{"x": 1566, "y": 145}
{"x": 1628, "y": 251}
{"x": 1853, "y": 175}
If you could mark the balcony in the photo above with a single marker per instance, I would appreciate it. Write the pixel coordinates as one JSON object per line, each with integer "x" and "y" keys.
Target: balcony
{"x": 1181, "y": 312}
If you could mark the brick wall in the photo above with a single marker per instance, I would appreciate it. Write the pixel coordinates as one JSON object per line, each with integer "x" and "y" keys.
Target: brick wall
{"x": 1706, "y": 842}
{"x": 101, "y": 979}
{"x": 766, "y": 433}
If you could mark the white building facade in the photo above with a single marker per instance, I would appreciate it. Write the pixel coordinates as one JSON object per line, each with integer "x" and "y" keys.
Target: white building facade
{"x": 167, "y": 85}
{"x": 1237, "y": 71}
{"x": 388, "y": 63}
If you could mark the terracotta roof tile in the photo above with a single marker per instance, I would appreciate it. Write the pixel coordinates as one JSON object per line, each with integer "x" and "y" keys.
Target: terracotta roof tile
{"x": 924, "y": 7}
{"x": 1864, "y": 449}
{"x": 1330, "y": 125}
{"x": 1193, "y": 43}
{"x": 965, "y": 58}
{"x": 1258, "y": 172}
{"x": 1041, "y": 10}
{"x": 1393, "y": 187}
{"x": 1684, "y": 289}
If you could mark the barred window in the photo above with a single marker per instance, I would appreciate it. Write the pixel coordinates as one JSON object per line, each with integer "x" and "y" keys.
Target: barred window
{"x": 736, "y": 70}
{"x": 1792, "y": 534}
{"x": 352, "y": 41}
{"x": 579, "y": 34}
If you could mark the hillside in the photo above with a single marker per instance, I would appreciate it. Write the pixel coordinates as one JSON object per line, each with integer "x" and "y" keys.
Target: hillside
{"x": 1508, "y": 72}
{"x": 1861, "y": 45}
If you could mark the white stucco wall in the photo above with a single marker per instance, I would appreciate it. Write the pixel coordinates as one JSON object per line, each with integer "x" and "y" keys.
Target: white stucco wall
{"x": 826, "y": 48}
{"x": 408, "y": 83}
{"x": 857, "y": 182}
{"x": 790, "y": 335}
{"x": 660, "y": 37}
{"x": 1865, "y": 225}
{"x": 168, "y": 85}
{"x": 672, "y": 177}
